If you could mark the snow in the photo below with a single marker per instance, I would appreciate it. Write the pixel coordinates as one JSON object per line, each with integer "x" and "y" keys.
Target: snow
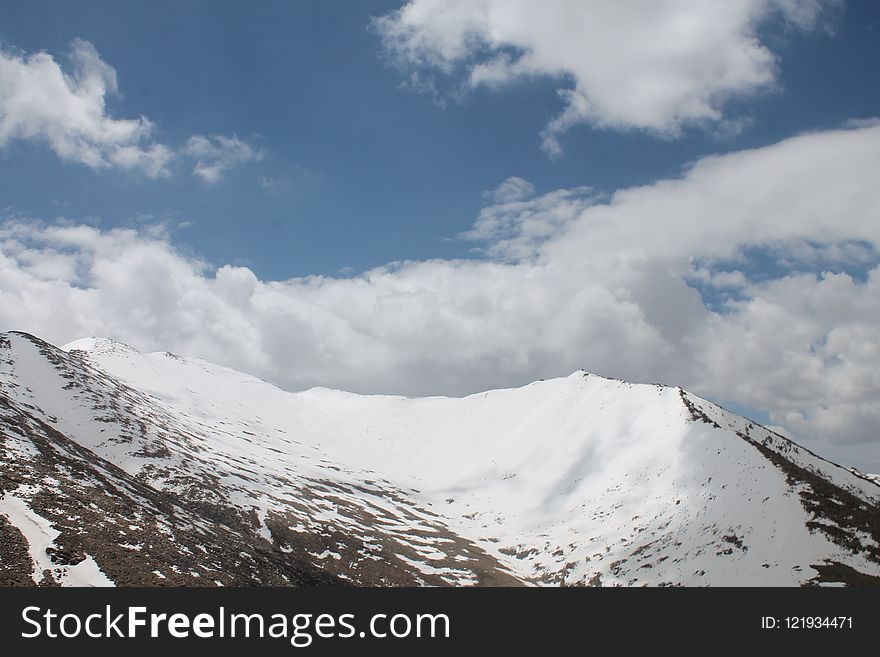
{"x": 562, "y": 479}
{"x": 325, "y": 554}
{"x": 431, "y": 570}
{"x": 40, "y": 535}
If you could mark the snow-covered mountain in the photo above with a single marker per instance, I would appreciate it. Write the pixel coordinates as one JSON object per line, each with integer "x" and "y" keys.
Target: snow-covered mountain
{"x": 131, "y": 468}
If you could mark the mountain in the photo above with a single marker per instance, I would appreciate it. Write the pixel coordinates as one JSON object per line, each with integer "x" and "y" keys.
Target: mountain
{"x": 131, "y": 468}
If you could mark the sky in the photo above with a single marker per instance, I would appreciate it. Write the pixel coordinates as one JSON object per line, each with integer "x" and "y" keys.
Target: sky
{"x": 431, "y": 197}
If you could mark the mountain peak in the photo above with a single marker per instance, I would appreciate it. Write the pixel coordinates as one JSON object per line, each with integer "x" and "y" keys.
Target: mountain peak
{"x": 99, "y": 345}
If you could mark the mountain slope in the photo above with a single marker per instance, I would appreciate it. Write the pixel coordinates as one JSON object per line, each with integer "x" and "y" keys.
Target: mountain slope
{"x": 580, "y": 480}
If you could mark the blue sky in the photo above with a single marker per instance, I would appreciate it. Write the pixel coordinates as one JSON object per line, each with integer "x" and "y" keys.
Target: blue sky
{"x": 348, "y": 152}
{"x": 680, "y": 192}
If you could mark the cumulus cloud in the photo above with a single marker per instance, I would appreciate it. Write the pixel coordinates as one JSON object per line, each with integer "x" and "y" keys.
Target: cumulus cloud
{"x": 820, "y": 332}
{"x": 67, "y": 110}
{"x": 736, "y": 279}
{"x": 655, "y": 65}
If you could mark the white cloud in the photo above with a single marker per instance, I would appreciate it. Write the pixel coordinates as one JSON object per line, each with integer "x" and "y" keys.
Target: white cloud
{"x": 512, "y": 189}
{"x": 67, "y": 110}
{"x": 516, "y": 223}
{"x": 570, "y": 281}
{"x": 655, "y": 65}
{"x": 218, "y": 154}
{"x": 820, "y": 334}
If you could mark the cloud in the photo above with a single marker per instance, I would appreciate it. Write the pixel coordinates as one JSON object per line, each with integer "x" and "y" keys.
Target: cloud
{"x": 753, "y": 278}
{"x": 653, "y": 65}
{"x": 67, "y": 110}
{"x": 819, "y": 332}
{"x": 512, "y": 189}
{"x": 216, "y": 155}
{"x": 516, "y": 223}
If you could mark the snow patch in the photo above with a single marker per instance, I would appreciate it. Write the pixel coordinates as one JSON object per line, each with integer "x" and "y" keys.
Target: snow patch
{"x": 40, "y": 535}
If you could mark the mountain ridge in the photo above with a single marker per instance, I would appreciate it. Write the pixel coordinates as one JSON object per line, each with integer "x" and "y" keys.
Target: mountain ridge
{"x": 579, "y": 480}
